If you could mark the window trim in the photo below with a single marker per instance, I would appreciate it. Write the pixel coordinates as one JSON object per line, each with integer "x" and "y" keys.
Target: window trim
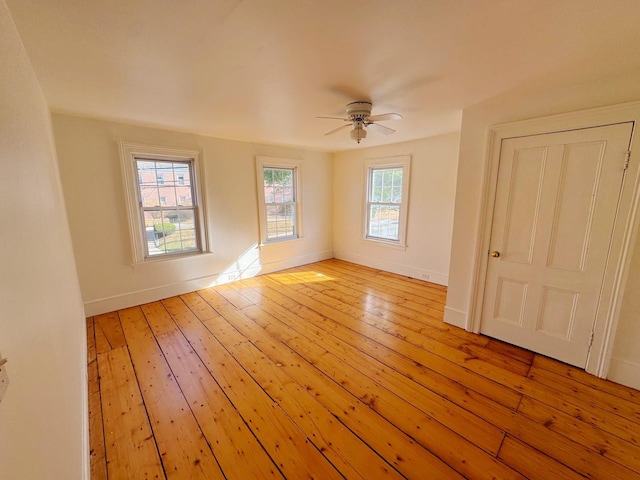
{"x": 404, "y": 162}
{"x": 263, "y": 162}
{"x": 129, "y": 153}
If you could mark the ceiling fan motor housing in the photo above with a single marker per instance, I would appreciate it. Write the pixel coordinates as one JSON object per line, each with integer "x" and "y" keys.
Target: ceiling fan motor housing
{"x": 359, "y": 110}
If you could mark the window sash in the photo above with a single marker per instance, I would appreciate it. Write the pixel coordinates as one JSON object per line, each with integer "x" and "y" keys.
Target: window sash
{"x": 384, "y": 204}
{"x": 384, "y": 227}
{"x": 168, "y": 228}
{"x": 280, "y": 226}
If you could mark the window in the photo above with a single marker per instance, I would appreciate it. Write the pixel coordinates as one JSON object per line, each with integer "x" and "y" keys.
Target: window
{"x": 165, "y": 217}
{"x": 279, "y": 198}
{"x": 387, "y": 183}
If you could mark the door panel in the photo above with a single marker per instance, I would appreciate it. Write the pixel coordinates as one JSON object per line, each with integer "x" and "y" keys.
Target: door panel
{"x": 555, "y": 206}
{"x": 575, "y": 205}
{"x": 522, "y": 207}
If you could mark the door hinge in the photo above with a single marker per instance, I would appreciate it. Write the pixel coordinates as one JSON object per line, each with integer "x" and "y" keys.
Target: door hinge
{"x": 627, "y": 157}
{"x": 591, "y": 338}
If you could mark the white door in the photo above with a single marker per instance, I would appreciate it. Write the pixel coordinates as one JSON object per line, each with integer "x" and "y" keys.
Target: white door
{"x": 555, "y": 206}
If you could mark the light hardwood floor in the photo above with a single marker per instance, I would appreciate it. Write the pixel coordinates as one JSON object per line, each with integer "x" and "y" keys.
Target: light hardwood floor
{"x": 334, "y": 370}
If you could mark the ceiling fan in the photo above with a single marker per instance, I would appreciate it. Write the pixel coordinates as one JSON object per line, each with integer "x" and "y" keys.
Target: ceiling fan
{"x": 359, "y": 116}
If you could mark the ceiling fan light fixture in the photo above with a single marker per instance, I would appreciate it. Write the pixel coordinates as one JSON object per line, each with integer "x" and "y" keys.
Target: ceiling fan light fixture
{"x": 359, "y": 115}
{"x": 358, "y": 134}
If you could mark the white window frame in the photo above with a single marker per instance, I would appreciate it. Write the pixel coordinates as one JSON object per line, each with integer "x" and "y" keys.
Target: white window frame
{"x": 263, "y": 162}
{"x": 129, "y": 153}
{"x": 403, "y": 162}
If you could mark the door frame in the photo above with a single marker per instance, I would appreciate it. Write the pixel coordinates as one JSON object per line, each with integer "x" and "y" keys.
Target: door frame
{"x": 624, "y": 231}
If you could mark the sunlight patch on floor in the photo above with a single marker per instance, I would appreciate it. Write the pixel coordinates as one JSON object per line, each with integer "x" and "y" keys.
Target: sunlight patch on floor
{"x": 303, "y": 277}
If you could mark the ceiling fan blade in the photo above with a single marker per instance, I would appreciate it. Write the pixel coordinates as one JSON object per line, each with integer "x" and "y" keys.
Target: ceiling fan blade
{"x": 385, "y": 116}
{"x": 336, "y": 130}
{"x": 337, "y": 118}
{"x": 380, "y": 128}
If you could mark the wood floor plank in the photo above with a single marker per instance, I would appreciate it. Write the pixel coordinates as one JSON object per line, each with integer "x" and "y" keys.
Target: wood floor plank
{"x": 534, "y": 464}
{"x": 91, "y": 340}
{"x": 580, "y": 376}
{"x": 391, "y": 306}
{"x": 462, "y": 455}
{"x": 419, "y": 293}
{"x": 334, "y": 370}
{"x": 438, "y": 357}
{"x": 295, "y": 456}
{"x": 130, "y": 445}
{"x": 108, "y": 332}
{"x": 355, "y": 363}
{"x": 336, "y": 442}
{"x": 602, "y": 442}
{"x": 516, "y": 353}
{"x": 456, "y": 392}
{"x": 410, "y": 320}
{"x": 627, "y": 410}
{"x": 433, "y": 301}
{"x": 199, "y": 307}
{"x": 185, "y": 453}
{"x": 394, "y": 326}
{"x": 392, "y": 444}
{"x": 583, "y": 410}
{"x": 97, "y": 452}
{"x": 583, "y": 460}
{"x": 581, "y": 457}
{"x": 233, "y": 443}
{"x": 233, "y": 296}
{"x": 433, "y": 307}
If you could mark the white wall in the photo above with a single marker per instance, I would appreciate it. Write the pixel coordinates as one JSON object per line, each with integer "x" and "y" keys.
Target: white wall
{"x": 42, "y": 330}
{"x": 430, "y": 217}
{"x": 534, "y": 100}
{"x": 88, "y": 153}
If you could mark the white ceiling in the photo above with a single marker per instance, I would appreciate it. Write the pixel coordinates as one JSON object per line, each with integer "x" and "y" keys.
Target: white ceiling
{"x": 262, "y": 70}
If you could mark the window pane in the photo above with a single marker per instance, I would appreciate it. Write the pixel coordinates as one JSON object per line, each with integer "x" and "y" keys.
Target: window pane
{"x": 167, "y": 196}
{"x": 171, "y": 231}
{"x": 386, "y": 194}
{"x": 268, "y": 177}
{"x": 149, "y": 196}
{"x": 280, "y": 221}
{"x": 163, "y": 186}
{"x": 387, "y": 177}
{"x": 397, "y": 177}
{"x": 278, "y": 185}
{"x": 383, "y": 222}
{"x": 385, "y": 185}
{"x": 280, "y": 198}
{"x": 385, "y": 199}
{"x": 377, "y": 177}
{"x": 396, "y": 194}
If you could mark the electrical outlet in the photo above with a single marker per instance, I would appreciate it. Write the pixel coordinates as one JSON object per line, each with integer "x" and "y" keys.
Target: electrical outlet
{"x": 4, "y": 378}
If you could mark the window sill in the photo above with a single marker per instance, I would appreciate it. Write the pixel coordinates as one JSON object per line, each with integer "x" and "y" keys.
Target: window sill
{"x": 163, "y": 260}
{"x": 384, "y": 243}
{"x": 280, "y": 242}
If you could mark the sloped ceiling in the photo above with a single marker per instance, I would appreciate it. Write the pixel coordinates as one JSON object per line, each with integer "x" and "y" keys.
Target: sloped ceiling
{"x": 262, "y": 70}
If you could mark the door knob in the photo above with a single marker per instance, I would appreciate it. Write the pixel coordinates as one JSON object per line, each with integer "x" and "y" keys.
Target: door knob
{"x": 495, "y": 254}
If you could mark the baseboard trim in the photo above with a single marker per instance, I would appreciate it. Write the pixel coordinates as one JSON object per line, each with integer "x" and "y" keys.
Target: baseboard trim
{"x": 398, "y": 268}
{"x": 130, "y": 299}
{"x": 624, "y": 372}
{"x": 455, "y": 317}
